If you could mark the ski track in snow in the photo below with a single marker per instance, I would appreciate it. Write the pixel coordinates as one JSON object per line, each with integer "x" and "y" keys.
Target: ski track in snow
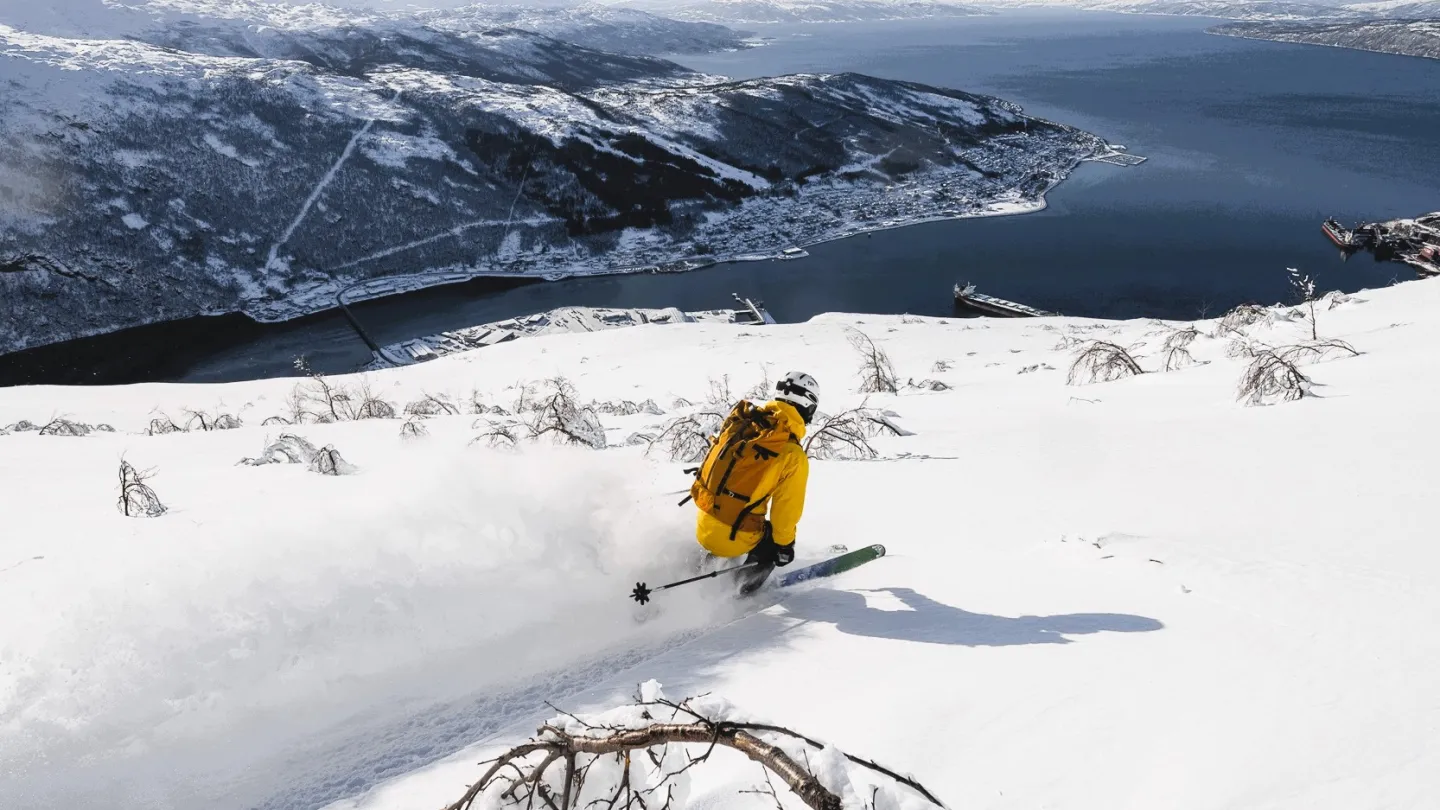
{"x": 320, "y": 188}
{"x": 367, "y": 756}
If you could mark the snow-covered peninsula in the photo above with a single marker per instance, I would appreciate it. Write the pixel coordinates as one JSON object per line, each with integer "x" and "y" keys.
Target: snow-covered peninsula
{"x": 259, "y": 158}
{"x": 1401, "y": 37}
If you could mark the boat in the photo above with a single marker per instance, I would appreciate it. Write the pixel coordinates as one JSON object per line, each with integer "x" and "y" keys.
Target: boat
{"x": 966, "y": 297}
{"x": 1343, "y": 239}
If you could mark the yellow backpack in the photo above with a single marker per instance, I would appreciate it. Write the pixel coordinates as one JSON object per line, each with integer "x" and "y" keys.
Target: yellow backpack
{"x": 749, "y": 441}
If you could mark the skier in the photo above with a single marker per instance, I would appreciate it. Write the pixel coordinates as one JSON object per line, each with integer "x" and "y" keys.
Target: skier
{"x": 750, "y": 490}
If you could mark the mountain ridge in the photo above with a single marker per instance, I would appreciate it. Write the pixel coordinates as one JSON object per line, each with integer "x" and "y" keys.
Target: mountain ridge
{"x": 145, "y": 183}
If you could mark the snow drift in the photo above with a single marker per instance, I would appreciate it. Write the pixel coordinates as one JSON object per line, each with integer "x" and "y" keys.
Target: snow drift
{"x": 434, "y": 574}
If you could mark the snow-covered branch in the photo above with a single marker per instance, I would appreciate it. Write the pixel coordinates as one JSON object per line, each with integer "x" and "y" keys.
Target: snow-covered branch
{"x": 639, "y": 757}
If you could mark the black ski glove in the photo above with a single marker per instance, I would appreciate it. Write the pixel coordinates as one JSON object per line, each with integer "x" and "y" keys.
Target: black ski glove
{"x": 784, "y": 555}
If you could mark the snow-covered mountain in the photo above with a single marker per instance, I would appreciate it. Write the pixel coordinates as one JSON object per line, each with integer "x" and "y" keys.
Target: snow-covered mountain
{"x": 1257, "y": 10}
{"x": 1129, "y": 594}
{"x": 213, "y": 168}
{"x": 757, "y": 12}
{"x": 1403, "y": 37}
{"x": 1219, "y": 9}
{"x": 248, "y": 27}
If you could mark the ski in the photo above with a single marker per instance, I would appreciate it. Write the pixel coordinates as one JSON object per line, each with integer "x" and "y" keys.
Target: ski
{"x": 831, "y": 567}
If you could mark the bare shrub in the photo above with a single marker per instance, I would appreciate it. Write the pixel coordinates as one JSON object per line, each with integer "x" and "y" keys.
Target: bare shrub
{"x": 413, "y": 429}
{"x": 574, "y": 764}
{"x": 274, "y": 420}
{"x": 628, "y": 408}
{"x": 161, "y": 424}
{"x": 137, "y": 499}
{"x": 367, "y": 404}
{"x": 719, "y": 393}
{"x": 23, "y": 426}
{"x": 65, "y": 427}
{"x": 1177, "y": 348}
{"x": 328, "y": 461}
{"x": 478, "y": 407}
{"x": 499, "y": 435}
{"x": 207, "y": 422}
{"x": 942, "y": 365}
{"x": 622, "y": 407}
{"x": 687, "y": 438}
{"x": 847, "y": 434}
{"x": 1240, "y": 346}
{"x": 287, "y": 449}
{"x": 558, "y": 415}
{"x": 431, "y": 405}
{"x": 1068, "y": 342}
{"x": 1102, "y": 361}
{"x": 877, "y": 373}
{"x": 1272, "y": 377}
{"x": 927, "y": 385}
{"x": 1239, "y": 318}
{"x": 525, "y": 397}
{"x": 763, "y": 389}
{"x": 1303, "y": 288}
{"x": 317, "y": 399}
{"x": 1316, "y": 351}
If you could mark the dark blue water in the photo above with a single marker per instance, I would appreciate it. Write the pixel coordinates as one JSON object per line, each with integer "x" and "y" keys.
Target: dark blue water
{"x": 1251, "y": 146}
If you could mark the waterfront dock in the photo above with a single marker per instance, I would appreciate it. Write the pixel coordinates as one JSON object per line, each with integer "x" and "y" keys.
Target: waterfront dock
{"x": 1415, "y": 242}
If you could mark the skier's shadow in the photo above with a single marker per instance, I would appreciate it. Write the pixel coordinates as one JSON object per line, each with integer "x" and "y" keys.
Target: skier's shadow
{"x": 933, "y": 622}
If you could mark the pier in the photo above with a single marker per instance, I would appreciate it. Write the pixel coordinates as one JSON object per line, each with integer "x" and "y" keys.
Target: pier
{"x": 967, "y": 298}
{"x": 1415, "y": 242}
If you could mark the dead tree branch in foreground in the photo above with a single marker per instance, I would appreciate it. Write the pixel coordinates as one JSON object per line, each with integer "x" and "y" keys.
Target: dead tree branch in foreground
{"x": 634, "y": 764}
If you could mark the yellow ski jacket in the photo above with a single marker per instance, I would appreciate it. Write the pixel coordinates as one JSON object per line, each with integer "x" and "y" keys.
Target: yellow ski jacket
{"x": 785, "y": 480}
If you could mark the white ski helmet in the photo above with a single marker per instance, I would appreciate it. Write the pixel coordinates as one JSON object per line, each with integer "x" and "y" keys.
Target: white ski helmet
{"x": 801, "y": 390}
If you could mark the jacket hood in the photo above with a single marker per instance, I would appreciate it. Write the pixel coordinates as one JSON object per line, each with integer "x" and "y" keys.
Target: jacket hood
{"x": 793, "y": 421}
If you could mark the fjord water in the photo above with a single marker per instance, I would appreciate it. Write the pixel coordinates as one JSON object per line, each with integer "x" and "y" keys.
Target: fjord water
{"x": 1250, "y": 145}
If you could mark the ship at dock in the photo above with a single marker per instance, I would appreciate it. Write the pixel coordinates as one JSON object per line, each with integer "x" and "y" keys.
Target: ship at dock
{"x": 1415, "y": 242}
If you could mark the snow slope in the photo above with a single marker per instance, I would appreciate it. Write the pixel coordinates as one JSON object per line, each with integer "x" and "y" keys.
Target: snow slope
{"x": 1116, "y": 596}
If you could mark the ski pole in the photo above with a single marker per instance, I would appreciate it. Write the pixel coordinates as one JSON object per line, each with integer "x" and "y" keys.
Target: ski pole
{"x": 641, "y": 593}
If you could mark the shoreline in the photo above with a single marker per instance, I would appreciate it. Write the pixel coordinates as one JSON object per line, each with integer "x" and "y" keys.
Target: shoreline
{"x": 1254, "y": 38}
{"x": 1002, "y": 205}
{"x": 20, "y": 368}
